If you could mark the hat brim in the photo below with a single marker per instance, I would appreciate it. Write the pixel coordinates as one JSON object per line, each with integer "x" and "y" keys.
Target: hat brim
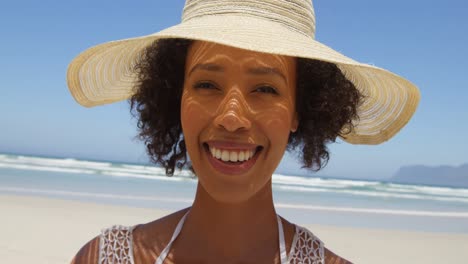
{"x": 105, "y": 73}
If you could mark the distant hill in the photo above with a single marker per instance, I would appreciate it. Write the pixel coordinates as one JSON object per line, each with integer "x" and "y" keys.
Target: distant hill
{"x": 441, "y": 175}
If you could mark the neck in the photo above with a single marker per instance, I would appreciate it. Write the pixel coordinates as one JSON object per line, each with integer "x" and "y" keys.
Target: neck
{"x": 234, "y": 229}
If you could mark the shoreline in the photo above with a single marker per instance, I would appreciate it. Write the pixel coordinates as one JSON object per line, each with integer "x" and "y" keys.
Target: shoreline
{"x": 48, "y": 230}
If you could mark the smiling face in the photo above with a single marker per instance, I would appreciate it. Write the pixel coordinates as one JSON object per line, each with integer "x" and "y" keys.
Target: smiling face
{"x": 237, "y": 110}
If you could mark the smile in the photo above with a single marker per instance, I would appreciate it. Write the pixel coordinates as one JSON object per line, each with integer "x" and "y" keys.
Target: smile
{"x": 231, "y": 158}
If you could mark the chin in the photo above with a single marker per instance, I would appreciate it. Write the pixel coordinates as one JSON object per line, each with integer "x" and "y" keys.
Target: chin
{"x": 234, "y": 192}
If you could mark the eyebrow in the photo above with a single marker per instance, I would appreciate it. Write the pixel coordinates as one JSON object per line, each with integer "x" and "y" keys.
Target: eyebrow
{"x": 266, "y": 71}
{"x": 207, "y": 67}
{"x": 253, "y": 71}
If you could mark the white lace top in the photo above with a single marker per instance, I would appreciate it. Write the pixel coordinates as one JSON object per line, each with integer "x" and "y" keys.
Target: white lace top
{"x": 115, "y": 246}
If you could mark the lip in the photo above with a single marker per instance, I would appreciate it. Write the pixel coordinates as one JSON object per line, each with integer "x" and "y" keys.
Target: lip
{"x": 234, "y": 168}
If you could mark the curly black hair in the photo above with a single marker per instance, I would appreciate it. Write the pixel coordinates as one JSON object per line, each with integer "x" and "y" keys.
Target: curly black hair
{"x": 326, "y": 103}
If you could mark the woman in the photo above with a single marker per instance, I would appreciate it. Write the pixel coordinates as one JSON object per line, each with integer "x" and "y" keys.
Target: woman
{"x": 233, "y": 86}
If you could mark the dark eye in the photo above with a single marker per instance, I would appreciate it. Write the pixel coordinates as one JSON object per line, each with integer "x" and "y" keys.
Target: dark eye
{"x": 204, "y": 85}
{"x": 266, "y": 89}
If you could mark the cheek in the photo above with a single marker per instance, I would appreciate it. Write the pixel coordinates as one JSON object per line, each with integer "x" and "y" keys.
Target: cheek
{"x": 276, "y": 123}
{"x": 194, "y": 116}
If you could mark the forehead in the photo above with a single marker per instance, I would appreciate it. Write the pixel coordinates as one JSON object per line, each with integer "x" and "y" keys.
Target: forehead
{"x": 208, "y": 52}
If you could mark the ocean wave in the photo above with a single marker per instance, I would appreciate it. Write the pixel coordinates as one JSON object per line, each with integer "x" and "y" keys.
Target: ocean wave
{"x": 330, "y": 183}
{"x": 139, "y": 176}
{"x": 291, "y": 183}
{"x": 92, "y": 195}
{"x": 54, "y": 162}
{"x": 87, "y": 167}
{"x": 426, "y": 190}
{"x": 45, "y": 168}
{"x": 277, "y": 205}
{"x": 380, "y": 194}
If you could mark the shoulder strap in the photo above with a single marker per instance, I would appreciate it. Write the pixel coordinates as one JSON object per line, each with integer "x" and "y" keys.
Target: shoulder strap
{"x": 306, "y": 248}
{"x": 116, "y": 245}
{"x": 282, "y": 243}
{"x": 165, "y": 251}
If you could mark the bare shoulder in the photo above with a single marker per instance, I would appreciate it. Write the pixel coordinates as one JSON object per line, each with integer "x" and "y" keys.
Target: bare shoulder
{"x": 332, "y": 258}
{"x": 89, "y": 253}
{"x": 151, "y": 238}
{"x": 160, "y": 228}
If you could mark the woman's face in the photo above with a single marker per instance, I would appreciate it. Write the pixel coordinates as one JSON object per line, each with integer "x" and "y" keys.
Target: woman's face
{"x": 237, "y": 110}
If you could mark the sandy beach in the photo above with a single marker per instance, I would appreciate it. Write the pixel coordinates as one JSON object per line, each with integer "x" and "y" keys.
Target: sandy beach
{"x": 50, "y": 231}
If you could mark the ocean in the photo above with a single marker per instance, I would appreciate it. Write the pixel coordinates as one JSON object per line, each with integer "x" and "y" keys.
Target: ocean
{"x": 300, "y": 199}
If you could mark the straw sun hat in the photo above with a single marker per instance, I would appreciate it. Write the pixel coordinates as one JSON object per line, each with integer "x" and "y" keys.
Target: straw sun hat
{"x": 104, "y": 74}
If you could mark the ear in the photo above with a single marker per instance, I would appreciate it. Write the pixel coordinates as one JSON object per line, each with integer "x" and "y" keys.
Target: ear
{"x": 294, "y": 123}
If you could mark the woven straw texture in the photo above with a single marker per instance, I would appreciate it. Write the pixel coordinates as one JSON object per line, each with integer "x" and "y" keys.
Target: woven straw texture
{"x": 104, "y": 74}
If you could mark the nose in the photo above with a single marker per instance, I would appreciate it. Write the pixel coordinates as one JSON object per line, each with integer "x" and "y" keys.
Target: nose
{"x": 232, "y": 113}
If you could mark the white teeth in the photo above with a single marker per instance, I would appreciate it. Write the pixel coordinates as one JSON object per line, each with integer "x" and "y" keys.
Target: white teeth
{"x": 232, "y": 156}
{"x": 225, "y": 155}
{"x": 241, "y": 156}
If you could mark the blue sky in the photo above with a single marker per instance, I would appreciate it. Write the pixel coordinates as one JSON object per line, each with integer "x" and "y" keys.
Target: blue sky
{"x": 424, "y": 41}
